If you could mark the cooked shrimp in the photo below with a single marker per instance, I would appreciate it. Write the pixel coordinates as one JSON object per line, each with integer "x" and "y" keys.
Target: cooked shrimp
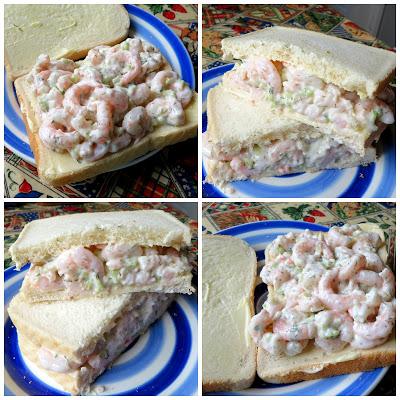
{"x": 360, "y": 342}
{"x": 294, "y": 325}
{"x": 55, "y": 362}
{"x": 274, "y": 344}
{"x": 388, "y": 289}
{"x": 72, "y": 262}
{"x": 369, "y": 278}
{"x": 115, "y": 254}
{"x": 381, "y": 327}
{"x": 162, "y": 80}
{"x": 151, "y": 58}
{"x": 261, "y": 69}
{"x": 137, "y": 122}
{"x": 350, "y": 266}
{"x": 336, "y": 238}
{"x": 130, "y": 61}
{"x": 139, "y": 94}
{"x": 90, "y": 151}
{"x": 120, "y": 142}
{"x": 166, "y": 110}
{"x": 326, "y": 293}
{"x": 310, "y": 249}
{"x": 258, "y": 325}
{"x": 90, "y": 74}
{"x": 55, "y": 131}
{"x": 182, "y": 91}
{"x": 78, "y": 95}
{"x": 115, "y": 97}
{"x": 104, "y": 123}
{"x": 97, "y": 54}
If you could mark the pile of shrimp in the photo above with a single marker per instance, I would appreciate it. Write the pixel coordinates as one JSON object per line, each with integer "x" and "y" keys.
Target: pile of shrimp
{"x": 111, "y": 99}
{"x": 308, "y": 95}
{"x": 76, "y": 269}
{"x": 331, "y": 288}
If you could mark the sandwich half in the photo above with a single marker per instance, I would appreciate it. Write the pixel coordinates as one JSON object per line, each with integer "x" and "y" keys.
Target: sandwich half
{"x": 333, "y": 84}
{"x": 229, "y": 273}
{"x": 243, "y": 141}
{"x": 74, "y": 357}
{"x": 79, "y": 255}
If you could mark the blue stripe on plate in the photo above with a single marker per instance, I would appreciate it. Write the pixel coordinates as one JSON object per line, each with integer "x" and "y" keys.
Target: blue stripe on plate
{"x": 259, "y": 234}
{"x": 351, "y": 182}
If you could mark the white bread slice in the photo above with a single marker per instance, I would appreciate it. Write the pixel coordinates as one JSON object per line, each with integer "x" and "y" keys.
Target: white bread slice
{"x": 48, "y": 237}
{"x": 59, "y": 169}
{"x": 229, "y": 353}
{"x": 349, "y": 65}
{"x": 313, "y": 363}
{"x": 71, "y": 328}
{"x": 234, "y": 121}
{"x": 59, "y": 30}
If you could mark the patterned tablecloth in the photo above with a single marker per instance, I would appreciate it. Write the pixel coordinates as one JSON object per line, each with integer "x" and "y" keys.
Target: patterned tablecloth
{"x": 217, "y": 216}
{"x": 222, "y": 20}
{"x": 170, "y": 173}
{"x": 16, "y": 215}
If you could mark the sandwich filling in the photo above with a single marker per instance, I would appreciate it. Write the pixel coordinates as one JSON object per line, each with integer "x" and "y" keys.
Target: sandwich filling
{"x": 287, "y": 87}
{"x": 99, "y": 268}
{"x": 108, "y": 101}
{"x": 95, "y": 359}
{"x": 329, "y": 289}
{"x": 280, "y": 157}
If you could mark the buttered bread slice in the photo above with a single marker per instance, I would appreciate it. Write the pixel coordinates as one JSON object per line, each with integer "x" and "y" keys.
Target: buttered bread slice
{"x": 229, "y": 354}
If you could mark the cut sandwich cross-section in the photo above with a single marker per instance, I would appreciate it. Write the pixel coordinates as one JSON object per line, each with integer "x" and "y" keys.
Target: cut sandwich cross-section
{"x": 104, "y": 253}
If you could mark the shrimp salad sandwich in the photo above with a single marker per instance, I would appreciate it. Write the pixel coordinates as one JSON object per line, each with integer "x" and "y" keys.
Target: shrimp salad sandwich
{"x": 331, "y": 305}
{"x": 296, "y": 102}
{"x": 103, "y": 253}
{"x": 96, "y": 282}
{"x": 94, "y": 115}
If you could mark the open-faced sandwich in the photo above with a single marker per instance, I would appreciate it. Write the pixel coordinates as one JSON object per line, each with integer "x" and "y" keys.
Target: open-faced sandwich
{"x": 331, "y": 306}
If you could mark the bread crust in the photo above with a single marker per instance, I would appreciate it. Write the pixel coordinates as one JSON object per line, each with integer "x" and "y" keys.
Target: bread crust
{"x": 350, "y": 65}
{"x": 57, "y": 169}
{"x": 368, "y": 360}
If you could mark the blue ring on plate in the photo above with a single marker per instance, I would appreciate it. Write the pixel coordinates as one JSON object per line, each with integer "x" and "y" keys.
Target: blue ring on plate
{"x": 23, "y": 149}
{"x": 28, "y": 382}
{"x": 358, "y": 186}
{"x": 357, "y": 387}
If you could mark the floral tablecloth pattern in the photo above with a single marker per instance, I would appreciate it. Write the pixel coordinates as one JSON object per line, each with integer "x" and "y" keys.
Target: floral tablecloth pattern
{"x": 16, "y": 215}
{"x": 217, "y": 216}
{"x": 170, "y": 173}
{"x": 224, "y": 20}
